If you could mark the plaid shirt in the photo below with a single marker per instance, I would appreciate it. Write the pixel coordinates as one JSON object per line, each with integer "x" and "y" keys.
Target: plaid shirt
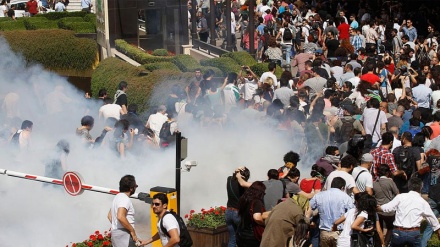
{"x": 382, "y": 155}
{"x": 356, "y": 42}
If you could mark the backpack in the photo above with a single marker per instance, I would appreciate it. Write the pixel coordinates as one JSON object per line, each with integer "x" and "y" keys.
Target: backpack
{"x": 404, "y": 160}
{"x": 15, "y": 139}
{"x": 185, "y": 237}
{"x": 343, "y": 134}
{"x": 287, "y": 34}
{"x": 165, "y": 131}
{"x": 270, "y": 24}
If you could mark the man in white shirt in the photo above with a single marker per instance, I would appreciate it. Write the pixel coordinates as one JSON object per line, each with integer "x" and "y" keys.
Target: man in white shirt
{"x": 121, "y": 214}
{"x": 347, "y": 164}
{"x": 271, "y": 73}
{"x": 410, "y": 210}
{"x": 110, "y": 110}
{"x": 368, "y": 120}
{"x": 172, "y": 235}
{"x": 362, "y": 175}
{"x": 60, "y": 7}
{"x": 155, "y": 121}
{"x": 422, "y": 94}
{"x": 250, "y": 82}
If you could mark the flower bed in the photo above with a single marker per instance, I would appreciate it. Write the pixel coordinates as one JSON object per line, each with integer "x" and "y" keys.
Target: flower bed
{"x": 212, "y": 218}
{"x": 95, "y": 240}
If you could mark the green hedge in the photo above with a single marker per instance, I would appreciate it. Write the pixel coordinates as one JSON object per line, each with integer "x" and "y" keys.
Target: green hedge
{"x": 39, "y": 23}
{"x": 260, "y": 68}
{"x": 137, "y": 54}
{"x": 80, "y": 27}
{"x": 90, "y": 18}
{"x": 59, "y": 15}
{"x": 161, "y": 65}
{"x": 160, "y": 52}
{"x": 54, "y": 49}
{"x": 143, "y": 90}
{"x": 241, "y": 57}
{"x": 186, "y": 63}
{"x": 12, "y": 25}
{"x": 225, "y": 64}
{"x": 65, "y": 20}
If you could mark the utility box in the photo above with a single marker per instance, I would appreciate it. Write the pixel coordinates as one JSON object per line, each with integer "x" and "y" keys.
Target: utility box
{"x": 172, "y": 205}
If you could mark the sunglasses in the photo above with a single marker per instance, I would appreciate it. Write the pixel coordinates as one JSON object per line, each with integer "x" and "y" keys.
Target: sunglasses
{"x": 157, "y": 204}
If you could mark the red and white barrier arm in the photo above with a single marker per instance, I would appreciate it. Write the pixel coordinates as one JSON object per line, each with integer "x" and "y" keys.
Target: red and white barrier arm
{"x": 140, "y": 196}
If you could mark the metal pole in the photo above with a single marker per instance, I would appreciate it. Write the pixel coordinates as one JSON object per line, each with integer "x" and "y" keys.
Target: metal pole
{"x": 194, "y": 20}
{"x": 252, "y": 27}
{"x": 178, "y": 169}
{"x": 212, "y": 22}
{"x": 228, "y": 26}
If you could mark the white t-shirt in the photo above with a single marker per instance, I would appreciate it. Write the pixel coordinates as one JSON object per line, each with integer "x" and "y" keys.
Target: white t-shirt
{"x": 156, "y": 121}
{"x": 249, "y": 88}
{"x": 170, "y": 223}
{"x": 232, "y": 94}
{"x": 349, "y": 180}
{"x": 344, "y": 238}
{"x": 3, "y": 8}
{"x": 110, "y": 110}
{"x": 121, "y": 200}
{"x": 369, "y": 118}
{"x": 364, "y": 180}
{"x": 267, "y": 74}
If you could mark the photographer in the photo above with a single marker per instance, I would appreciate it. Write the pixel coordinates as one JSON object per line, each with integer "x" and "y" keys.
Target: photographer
{"x": 235, "y": 189}
{"x": 404, "y": 74}
{"x": 250, "y": 82}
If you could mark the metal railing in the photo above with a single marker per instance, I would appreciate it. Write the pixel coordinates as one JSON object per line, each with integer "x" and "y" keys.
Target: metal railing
{"x": 197, "y": 44}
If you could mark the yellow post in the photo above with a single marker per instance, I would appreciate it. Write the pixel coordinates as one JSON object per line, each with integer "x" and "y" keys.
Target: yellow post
{"x": 172, "y": 204}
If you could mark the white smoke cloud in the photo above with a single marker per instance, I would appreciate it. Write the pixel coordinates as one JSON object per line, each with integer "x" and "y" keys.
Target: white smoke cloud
{"x": 40, "y": 216}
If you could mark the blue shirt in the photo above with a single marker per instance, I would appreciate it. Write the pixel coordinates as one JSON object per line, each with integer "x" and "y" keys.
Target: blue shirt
{"x": 411, "y": 32}
{"x": 85, "y": 4}
{"x": 331, "y": 205}
{"x": 354, "y": 24}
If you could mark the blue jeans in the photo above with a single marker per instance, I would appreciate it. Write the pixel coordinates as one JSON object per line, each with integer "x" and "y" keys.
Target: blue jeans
{"x": 287, "y": 50}
{"x": 232, "y": 221}
{"x": 428, "y": 231}
{"x": 409, "y": 238}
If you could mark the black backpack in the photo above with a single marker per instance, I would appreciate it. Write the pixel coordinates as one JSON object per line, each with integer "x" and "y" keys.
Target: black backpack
{"x": 185, "y": 237}
{"x": 287, "y": 34}
{"x": 165, "y": 131}
{"x": 404, "y": 160}
{"x": 344, "y": 133}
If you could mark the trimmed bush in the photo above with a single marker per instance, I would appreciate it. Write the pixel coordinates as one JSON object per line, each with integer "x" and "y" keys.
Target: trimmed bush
{"x": 260, "y": 68}
{"x": 90, "y": 18}
{"x": 217, "y": 71}
{"x": 54, "y": 49}
{"x": 39, "y": 23}
{"x": 225, "y": 64}
{"x": 241, "y": 57}
{"x": 137, "y": 54}
{"x": 186, "y": 63}
{"x": 59, "y": 15}
{"x": 161, "y": 65}
{"x": 62, "y": 22}
{"x": 5, "y": 19}
{"x": 140, "y": 87}
{"x": 12, "y": 25}
{"x": 80, "y": 27}
{"x": 160, "y": 52}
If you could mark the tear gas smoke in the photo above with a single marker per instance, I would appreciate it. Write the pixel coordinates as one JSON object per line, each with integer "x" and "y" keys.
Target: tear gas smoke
{"x": 37, "y": 215}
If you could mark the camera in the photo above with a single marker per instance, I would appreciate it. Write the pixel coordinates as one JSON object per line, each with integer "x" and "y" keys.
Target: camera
{"x": 245, "y": 67}
{"x": 190, "y": 164}
{"x": 368, "y": 224}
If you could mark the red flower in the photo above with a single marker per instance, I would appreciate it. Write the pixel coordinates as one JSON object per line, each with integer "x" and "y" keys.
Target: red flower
{"x": 92, "y": 237}
{"x": 203, "y": 209}
{"x": 192, "y": 211}
{"x": 90, "y": 244}
{"x": 74, "y": 245}
{"x": 217, "y": 213}
{"x": 223, "y": 208}
{"x": 186, "y": 216}
{"x": 100, "y": 237}
{"x": 96, "y": 232}
{"x": 106, "y": 243}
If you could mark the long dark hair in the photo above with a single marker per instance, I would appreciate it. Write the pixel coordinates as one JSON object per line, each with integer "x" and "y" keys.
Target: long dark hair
{"x": 301, "y": 231}
{"x": 367, "y": 203}
{"x": 253, "y": 193}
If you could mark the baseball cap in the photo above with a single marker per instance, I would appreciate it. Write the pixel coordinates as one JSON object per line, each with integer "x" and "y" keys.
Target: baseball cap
{"x": 367, "y": 158}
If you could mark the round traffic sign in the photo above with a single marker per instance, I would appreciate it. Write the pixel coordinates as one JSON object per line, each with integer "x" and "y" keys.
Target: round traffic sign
{"x": 72, "y": 183}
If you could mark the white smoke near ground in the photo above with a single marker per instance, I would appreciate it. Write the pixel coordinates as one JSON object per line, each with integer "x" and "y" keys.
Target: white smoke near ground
{"x": 40, "y": 216}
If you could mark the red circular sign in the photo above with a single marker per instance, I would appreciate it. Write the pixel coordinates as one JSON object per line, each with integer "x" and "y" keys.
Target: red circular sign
{"x": 72, "y": 183}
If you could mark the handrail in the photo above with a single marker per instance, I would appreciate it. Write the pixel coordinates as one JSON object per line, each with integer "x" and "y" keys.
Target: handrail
{"x": 197, "y": 44}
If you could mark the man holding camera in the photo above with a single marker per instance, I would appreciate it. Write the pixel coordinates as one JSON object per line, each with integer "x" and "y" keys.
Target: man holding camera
{"x": 250, "y": 82}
